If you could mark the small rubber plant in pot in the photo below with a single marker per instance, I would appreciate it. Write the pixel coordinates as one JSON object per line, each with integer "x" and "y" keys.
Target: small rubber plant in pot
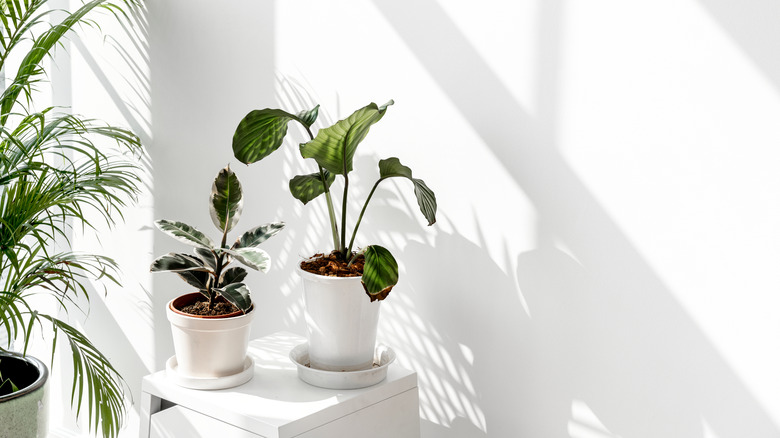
{"x": 211, "y": 326}
{"x": 342, "y": 287}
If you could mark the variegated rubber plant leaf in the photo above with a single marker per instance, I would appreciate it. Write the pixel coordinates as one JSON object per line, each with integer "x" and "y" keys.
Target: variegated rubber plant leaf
{"x": 237, "y": 294}
{"x": 255, "y": 258}
{"x": 226, "y": 201}
{"x": 185, "y": 233}
{"x": 258, "y": 235}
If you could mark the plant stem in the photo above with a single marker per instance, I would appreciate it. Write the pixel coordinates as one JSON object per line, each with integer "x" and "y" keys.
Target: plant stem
{"x": 360, "y": 218}
{"x": 331, "y": 212}
{"x": 343, "y": 246}
{"x": 218, "y": 269}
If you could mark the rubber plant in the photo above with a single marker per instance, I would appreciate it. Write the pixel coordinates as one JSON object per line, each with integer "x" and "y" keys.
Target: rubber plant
{"x": 53, "y": 177}
{"x": 261, "y": 132}
{"x": 207, "y": 269}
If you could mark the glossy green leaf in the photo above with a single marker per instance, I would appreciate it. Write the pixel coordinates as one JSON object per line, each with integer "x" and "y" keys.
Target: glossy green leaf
{"x": 208, "y": 258}
{"x": 309, "y": 117}
{"x": 307, "y": 187}
{"x": 380, "y": 272}
{"x": 185, "y": 233}
{"x": 255, "y": 258}
{"x": 197, "y": 279}
{"x": 226, "y": 201}
{"x": 175, "y": 262}
{"x": 237, "y": 294}
{"x": 259, "y": 134}
{"x": 334, "y": 147}
{"x": 258, "y": 235}
{"x": 236, "y": 274}
{"x": 426, "y": 199}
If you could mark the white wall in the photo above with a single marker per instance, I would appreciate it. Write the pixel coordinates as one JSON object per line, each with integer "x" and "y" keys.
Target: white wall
{"x": 605, "y": 261}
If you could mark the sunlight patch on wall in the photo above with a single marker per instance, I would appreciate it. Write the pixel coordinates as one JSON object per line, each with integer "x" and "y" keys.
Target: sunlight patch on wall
{"x": 585, "y": 424}
{"x": 444, "y": 371}
{"x": 675, "y": 133}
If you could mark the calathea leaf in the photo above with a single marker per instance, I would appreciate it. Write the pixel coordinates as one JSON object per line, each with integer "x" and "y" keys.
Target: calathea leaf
{"x": 185, "y": 233}
{"x": 307, "y": 187}
{"x": 226, "y": 200}
{"x": 260, "y": 133}
{"x": 237, "y": 294}
{"x": 258, "y": 235}
{"x": 232, "y": 275}
{"x": 380, "y": 272}
{"x": 426, "y": 199}
{"x": 334, "y": 147}
{"x": 176, "y": 262}
{"x": 255, "y": 258}
{"x": 309, "y": 117}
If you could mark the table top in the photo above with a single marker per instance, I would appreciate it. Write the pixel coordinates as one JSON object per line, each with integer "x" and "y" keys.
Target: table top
{"x": 275, "y": 402}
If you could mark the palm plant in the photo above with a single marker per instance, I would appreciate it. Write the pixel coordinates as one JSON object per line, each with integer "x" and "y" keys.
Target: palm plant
{"x": 54, "y": 176}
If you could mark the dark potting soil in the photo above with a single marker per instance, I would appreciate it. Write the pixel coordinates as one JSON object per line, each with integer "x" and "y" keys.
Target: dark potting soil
{"x": 201, "y": 308}
{"x": 332, "y": 266}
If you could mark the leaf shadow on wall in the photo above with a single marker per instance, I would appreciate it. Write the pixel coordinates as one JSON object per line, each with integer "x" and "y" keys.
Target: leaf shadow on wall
{"x": 604, "y": 329}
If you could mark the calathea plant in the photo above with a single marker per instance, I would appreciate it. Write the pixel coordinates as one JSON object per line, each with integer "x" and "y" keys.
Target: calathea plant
{"x": 261, "y": 132}
{"x": 208, "y": 270}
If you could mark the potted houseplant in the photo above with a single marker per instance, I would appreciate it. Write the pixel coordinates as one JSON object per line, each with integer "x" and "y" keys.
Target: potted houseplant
{"x": 53, "y": 177}
{"x": 211, "y": 326}
{"x": 342, "y": 287}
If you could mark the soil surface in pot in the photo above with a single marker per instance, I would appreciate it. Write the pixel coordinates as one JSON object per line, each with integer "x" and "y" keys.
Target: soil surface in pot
{"x": 201, "y": 307}
{"x": 332, "y": 266}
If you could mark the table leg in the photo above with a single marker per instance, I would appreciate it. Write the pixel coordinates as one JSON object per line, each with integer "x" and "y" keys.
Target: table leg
{"x": 149, "y": 405}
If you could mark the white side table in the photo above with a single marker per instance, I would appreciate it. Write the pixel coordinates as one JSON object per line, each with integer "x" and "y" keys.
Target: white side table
{"x": 276, "y": 404}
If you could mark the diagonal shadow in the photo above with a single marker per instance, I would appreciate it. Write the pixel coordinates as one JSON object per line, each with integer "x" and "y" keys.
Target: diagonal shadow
{"x": 755, "y": 26}
{"x": 675, "y": 361}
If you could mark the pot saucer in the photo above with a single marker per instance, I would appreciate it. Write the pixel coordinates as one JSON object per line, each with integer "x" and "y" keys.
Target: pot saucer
{"x": 383, "y": 357}
{"x": 245, "y": 375}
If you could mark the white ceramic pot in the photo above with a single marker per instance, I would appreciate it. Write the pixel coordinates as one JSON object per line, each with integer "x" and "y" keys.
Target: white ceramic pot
{"x": 341, "y": 322}
{"x": 209, "y": 347}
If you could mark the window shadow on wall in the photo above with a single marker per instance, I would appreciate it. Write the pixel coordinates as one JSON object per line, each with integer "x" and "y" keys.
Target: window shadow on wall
{"x": 604, "y": 330}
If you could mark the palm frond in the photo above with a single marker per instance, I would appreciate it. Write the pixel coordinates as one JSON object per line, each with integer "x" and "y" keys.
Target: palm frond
{"x": 104, "y": 387}
{"x": 57, "y": 172}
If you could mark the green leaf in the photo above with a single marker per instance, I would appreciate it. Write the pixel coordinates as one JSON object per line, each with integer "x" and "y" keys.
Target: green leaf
{"x": 258, "y": 235}
{"x": 380, "y": 272}
{"x": 185, "y": 233}
{"x": 308, "y": 117}
{"x": 176, "y": 262}
{"x": 198, "y": 279}
{"x": 208, "y": 258}
{"x": 334, "y": 147}
{"x": 30, "y": 67}
{"x": 260, "y": 133}
{"x": 237, "y": 294}
{"x": 307, "y": 187}
{"x": 426, "y": 199}
{"x": 226, "y": 200}
{"x": 233, "y": 275}
{"x": 255, "y": 258}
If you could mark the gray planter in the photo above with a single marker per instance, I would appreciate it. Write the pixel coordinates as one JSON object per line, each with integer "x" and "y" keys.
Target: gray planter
{"x": 24, "y": 413}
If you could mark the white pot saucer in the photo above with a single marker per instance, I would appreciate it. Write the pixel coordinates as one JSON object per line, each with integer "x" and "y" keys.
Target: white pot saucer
{"x": 245, "y": 375}
{"x": 383, "y": 357}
